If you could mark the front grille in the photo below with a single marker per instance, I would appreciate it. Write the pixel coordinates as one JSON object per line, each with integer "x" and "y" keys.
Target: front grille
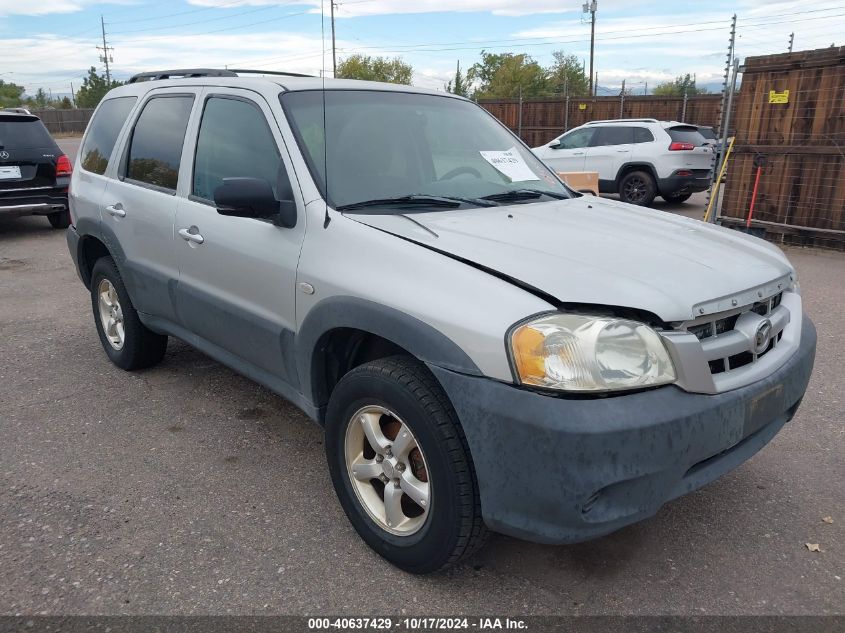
{"x": 726, "y": 348}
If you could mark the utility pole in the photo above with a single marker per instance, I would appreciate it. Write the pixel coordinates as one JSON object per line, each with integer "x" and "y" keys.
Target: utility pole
{"x": 72, "y": 95}
{"x": 106, "y": 57}
{"x": 334, "y": 51}
{"x": 591, "y": 7}
{"x": 645, "y": 89}
{"x": 718, "y": 168}
{"x": 791, "y": 40}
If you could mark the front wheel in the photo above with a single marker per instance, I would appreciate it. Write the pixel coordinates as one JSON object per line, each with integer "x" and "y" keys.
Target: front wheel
{"x": 401, "y": 467}
{"x": 637, "y": 187}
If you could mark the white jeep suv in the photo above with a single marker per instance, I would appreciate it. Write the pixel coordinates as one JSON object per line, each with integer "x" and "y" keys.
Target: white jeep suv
{"x": 636, "y": 158}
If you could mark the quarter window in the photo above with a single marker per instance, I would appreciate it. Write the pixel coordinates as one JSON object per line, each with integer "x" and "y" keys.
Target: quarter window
{"x": 103, "y": 132}
{"x": 234, "y": 141}
{"x": 156, "y": 147}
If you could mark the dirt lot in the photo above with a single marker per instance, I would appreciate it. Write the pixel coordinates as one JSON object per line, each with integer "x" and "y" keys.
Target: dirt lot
{"x": 189, "y": 489}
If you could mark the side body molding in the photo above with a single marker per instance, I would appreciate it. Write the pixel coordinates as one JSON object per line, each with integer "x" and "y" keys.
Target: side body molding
{"x": 404, "y": 330}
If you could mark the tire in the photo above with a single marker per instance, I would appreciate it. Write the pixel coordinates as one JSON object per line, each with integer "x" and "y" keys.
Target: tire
{"x": 400, "y": 390}
{"x": 140, "y": 347}
{"x": 677, "y": 199}
{"x": 637, "y": 187}
{"x": 60, "y": 219}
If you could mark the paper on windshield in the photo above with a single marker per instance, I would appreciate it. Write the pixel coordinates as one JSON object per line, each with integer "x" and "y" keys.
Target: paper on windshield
{"x": 511, "y": 164}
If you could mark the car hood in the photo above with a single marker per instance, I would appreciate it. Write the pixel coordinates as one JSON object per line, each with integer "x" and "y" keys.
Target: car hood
{"x": 594, "y": 251}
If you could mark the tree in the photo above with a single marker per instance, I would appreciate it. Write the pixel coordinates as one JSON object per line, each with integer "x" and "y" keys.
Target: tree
{"x": 94, "y": 88}
{"x": 41, "y": 100}
{"x": 11, "y": 95}
{"x": 682, "y": 84}
{"x": 63, "y": 104}
{"x": 367, "y": 68}
{"x": 503, "y": 75}
{"x": 566, "y": 75}
{"x": 459, "y": 85}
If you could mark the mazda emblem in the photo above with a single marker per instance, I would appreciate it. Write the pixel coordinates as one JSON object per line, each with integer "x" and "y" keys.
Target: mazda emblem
{"x": 762, "y": 336}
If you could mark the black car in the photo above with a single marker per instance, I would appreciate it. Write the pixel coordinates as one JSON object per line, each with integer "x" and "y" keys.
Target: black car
{"x": 34, "y": 172}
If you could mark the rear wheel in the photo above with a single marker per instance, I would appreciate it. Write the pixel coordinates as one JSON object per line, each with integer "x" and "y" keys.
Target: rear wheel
{"x": 60, "y": 219}
{"x": 401, "y": 466}
{"x": 637, "y": 187}
{"x": 683, "y": 197}
{"x": 127, "y": 342}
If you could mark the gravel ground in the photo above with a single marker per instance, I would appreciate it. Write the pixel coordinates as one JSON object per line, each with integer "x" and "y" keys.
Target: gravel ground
{"x": 187, "y": 489}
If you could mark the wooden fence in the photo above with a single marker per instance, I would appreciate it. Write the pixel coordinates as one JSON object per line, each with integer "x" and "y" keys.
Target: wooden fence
{"x": 790, "y": 118}
{"x": 65, "y": 121}
{"x": 541, "y": 120}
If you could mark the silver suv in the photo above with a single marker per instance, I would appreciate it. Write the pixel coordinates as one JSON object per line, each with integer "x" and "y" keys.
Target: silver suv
{"x": 483, "y": 347}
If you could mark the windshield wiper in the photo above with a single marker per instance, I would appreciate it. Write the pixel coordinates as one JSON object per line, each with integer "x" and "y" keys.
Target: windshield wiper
{"x": 523, "y": 194}
{"x": 450, "y": 202}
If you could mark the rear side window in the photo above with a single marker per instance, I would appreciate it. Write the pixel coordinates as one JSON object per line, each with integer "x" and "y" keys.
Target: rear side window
{"x": 707, "y": 132}
{"x": 23, "y": 132}
{"x": 613, "y": 135}
{"x": 156, "y": 147}
{"x": 234, "y": 140}
{"x": 102, "y": 133}
{"x": 642, "y": 135}
{"x": 686, "y": 134}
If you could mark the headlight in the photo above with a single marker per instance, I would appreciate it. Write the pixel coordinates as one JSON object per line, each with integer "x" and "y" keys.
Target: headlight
{"x": 589, "y": 353}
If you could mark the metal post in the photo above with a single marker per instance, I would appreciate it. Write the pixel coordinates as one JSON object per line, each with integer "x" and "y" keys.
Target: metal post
{"x": 731, "y": 90}
{"x": 566, "y": 116}
{"x": 622, "y": 101}
{"x": 791, "y": 40}
{"x": 334, "y": 50}
{"x": 593, "y": 8}
{"x": 714, "y": 168}
{"x": 519, "y": 124}
{"x": 684, "y": 109}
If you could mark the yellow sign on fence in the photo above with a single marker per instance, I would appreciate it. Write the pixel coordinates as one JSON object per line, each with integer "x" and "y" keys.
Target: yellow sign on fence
{"x": 582, "y": 106}
{"x": 778, "y": 97}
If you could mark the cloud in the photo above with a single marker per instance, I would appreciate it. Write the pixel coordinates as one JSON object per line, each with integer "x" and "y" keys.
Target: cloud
{"x": 46, "y": 7}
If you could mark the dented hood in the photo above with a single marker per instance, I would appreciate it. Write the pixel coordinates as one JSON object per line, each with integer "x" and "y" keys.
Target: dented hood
{"x": 596, "y": 251}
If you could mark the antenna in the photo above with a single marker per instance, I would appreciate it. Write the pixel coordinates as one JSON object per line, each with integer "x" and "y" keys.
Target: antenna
{"x": 327, "y": 218}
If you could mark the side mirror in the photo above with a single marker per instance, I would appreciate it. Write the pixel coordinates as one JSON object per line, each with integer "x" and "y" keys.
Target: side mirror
{"x": 555, "y": 145}
{"x": 253, "y": 198}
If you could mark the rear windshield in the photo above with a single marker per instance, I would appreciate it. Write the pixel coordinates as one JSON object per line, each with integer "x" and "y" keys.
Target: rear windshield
{"x": 686, "y": 134}
{"x": 22, "y": 132}
{"x": 707, "y": 132}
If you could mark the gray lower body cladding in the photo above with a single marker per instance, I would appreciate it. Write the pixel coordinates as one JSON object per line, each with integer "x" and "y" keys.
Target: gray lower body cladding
{"x": 556, "y": 470}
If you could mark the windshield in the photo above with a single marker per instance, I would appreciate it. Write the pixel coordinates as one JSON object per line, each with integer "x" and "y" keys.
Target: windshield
{"x": 385, "y": 145}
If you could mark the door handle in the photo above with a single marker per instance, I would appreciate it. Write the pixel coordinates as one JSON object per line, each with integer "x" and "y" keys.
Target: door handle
{"x": 623, "y": 151}
{"x": 577, "y": 153}
{"x": 116, "y": 210}
{"x": 190, "y": 236}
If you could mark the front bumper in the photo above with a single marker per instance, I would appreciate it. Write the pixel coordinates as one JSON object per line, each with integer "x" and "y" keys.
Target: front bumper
{"x": 561, "y": 470}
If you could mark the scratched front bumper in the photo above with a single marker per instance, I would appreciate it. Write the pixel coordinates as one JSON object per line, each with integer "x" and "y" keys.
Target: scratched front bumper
{"x": 560, "y": 470}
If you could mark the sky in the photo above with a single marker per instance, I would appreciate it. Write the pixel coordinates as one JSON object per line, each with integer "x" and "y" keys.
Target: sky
{"x": 51, "y": 43}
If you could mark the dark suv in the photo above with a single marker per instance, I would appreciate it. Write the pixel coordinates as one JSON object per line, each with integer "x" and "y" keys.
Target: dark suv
{"x": 34, "y": 173}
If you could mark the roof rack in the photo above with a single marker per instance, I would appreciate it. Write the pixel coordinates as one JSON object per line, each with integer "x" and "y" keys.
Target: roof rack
{"x": 625, "y": 120}
{"x": 185, "y": 73}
